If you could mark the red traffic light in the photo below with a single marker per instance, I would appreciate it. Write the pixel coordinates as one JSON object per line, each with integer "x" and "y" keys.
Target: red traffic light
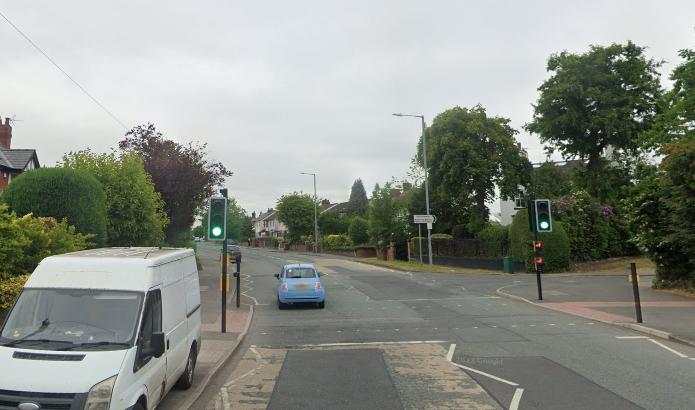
{"x": 538, "y": 245}
{"x": 539, "y": 261}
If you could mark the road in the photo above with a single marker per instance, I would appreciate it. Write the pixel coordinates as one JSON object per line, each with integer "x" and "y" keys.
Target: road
{"x": 396, "y": 340}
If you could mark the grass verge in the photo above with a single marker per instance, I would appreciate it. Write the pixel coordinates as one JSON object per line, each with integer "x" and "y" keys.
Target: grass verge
{"x": 417, "y": 267}
{"x": 616, "y": 265}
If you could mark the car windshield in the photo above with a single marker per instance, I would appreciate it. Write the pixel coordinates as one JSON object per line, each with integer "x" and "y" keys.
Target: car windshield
{"x": 70, "y": 318}
{"x": 300, "y": 273}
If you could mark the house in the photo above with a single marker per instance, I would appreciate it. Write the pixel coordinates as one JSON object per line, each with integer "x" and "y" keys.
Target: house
{"x": 13, "y": 161}
{"x": 267, "y": 225}
{"x": 341, "y": 208}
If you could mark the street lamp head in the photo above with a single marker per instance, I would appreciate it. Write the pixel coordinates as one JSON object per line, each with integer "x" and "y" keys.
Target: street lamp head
{"x": 397, "y": 114}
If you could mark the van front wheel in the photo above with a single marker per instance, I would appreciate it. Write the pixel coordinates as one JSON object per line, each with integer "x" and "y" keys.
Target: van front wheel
{"x": 186, "y": 379}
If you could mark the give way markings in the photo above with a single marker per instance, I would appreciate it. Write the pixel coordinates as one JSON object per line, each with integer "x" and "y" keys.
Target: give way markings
{"x": 656, "y": 342}
{"x": 516, "y": 399}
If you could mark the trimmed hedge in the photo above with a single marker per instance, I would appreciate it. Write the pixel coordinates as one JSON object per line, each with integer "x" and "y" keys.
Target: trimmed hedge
{"x": 359, "y": 230}
{"x": 556, "y": 245}
{"x": 493, "y": 240}
{"x": 61, "y": 193}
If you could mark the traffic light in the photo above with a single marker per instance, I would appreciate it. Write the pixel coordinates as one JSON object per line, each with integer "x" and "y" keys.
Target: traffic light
{"x": 544, "y": 221}
{"x": 217, "y": 218}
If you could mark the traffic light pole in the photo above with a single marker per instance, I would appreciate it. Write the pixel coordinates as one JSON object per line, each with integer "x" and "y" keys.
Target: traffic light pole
{"x": 224, "y": 285}
{"x": 536, "y": 252}
{"x": 224, "y": 268}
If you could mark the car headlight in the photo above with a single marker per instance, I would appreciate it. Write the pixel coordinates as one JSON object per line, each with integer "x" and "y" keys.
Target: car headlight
{"x": 99, "y": 396}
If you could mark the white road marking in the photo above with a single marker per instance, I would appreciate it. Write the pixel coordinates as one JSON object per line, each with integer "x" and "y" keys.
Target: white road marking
{"x": 631, "y": 337}
{"x": 406, "y": 342}
{"x": 514, "y": 405}
{"x": 676, "y": 352}
{"x": 692, "y": 358}
{"x": 488, "y": 375}
{"x": 450, "y": 354}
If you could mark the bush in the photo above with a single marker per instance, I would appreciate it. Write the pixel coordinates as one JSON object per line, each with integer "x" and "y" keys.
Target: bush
{"x": 595, "y": 231}
{"x": 416, "y": 245}
{"x": 441, "y": 236}
{"x": 10, "y": 287}
{"x": 135, "y": 210}
{"x": 61, "y": 193}
{"x": 556, "y": 245}
{"x": 25, "y": 241}
{"x": 335, "y": 241}
{"x": 460, "y": 232}
{"x": 359, "y": 230}
{"x": 493, "y": 240}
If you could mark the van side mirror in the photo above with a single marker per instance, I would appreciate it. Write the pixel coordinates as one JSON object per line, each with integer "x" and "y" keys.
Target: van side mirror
{"x": 157, "y": 345}
{"x": 322, "y": 274}
{"x": 277, "y": 275}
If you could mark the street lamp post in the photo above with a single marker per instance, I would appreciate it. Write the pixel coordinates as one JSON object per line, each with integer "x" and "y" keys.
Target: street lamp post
{"x": 427, "y": 190}
{"x": 316, "y": 224}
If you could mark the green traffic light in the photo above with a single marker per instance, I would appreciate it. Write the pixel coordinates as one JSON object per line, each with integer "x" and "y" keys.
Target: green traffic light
{"x": 216, "y": 231}
{"x": 545, "y": 225}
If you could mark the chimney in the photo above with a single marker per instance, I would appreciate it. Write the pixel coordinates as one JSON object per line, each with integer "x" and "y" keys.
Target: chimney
{"x": 253, "y": 215}
{"x": 5, "y": 133}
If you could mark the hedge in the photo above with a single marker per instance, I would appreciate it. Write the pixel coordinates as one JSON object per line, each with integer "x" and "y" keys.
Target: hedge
{"x": 556, "y": 245}
{"x": 9, "y": 290}
{"x": 61, "y": 193}
{"x": 493, "y": 240}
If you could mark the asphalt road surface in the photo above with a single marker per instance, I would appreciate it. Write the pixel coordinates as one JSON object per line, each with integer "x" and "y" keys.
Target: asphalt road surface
{"x": 396, "y": 340}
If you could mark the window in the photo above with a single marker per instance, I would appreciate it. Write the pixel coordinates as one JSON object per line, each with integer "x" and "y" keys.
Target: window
{"x": 300, "y": 273}
{"x": 151, "y": 323}
{"x": 519, "y": 203}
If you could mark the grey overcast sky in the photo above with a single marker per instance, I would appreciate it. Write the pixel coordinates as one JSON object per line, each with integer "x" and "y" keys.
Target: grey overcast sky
{"x": 280, "y": 87}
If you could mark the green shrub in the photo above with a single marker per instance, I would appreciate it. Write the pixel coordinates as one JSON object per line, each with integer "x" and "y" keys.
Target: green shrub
{"x": 335, "y": 241}
{"x": 25, "y": 241}
{"x": 441, "y": 236}
{"x": 61, "y": 193}
{"x": 460, "y": 232}
{"x": 556, "y": 245}
{"x": 10, "y": 287}
{"x": 416, "y": 240}
{"x": 493, "y": 240}
{"x": 595, "y": 231}
{"x": 359, "y": 230}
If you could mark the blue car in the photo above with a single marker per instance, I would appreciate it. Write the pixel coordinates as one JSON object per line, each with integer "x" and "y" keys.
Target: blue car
{"x": 300, "y": 283}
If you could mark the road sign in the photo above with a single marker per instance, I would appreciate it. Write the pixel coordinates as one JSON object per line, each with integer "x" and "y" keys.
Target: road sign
{"x": 424, "y": 219}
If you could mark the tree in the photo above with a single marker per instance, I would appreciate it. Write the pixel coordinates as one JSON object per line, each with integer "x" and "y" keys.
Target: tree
{"x": 470, "y": 154}
{"x": 677, "y": 117}
{"x": 181, "y": 174}
{"x": 388, "y": 221}
{"x": 61, "y": 193}
{"x": 296, "y": 211}
{"x": 135, "y": 210}
{"x": 332, "y": 223}
{"x": 551, "y": 181}
{"x": 359, "y": 230}
{"x": 199, "y": 231}
{"x": 358, "y": 202}
{"x": 594, "y": 101}
{"x": 662, "y": 210}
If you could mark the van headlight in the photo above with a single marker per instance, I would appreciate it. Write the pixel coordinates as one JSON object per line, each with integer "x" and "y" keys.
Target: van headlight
{"x": 99, "y": 396}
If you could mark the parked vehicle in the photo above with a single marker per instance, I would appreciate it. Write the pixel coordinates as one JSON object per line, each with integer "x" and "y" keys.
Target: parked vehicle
{"x": 234, "y": 252}
{"x": 108, "y": 328}
{"x": 300, "y": 283}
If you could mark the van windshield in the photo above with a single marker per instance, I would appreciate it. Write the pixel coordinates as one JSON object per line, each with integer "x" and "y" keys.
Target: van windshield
{"x": 72, "y": 319}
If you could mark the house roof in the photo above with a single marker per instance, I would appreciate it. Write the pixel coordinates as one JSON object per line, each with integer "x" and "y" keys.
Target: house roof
{"x": 341, "y": 207}
{"x": 264, "y": 215}
{"x": 17, "y": 158}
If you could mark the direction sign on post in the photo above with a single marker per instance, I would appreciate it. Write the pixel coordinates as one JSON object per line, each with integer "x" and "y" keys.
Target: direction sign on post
{"x": 424, "y": 219}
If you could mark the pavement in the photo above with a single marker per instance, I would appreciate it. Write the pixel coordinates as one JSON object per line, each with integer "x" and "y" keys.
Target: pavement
{"x": 389, "y": 339}
{"x": 216, "y": 347}
{"x": 609, "y": 299}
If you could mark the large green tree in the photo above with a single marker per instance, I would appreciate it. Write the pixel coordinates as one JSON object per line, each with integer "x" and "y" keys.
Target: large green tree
{"x": 332, "y": 223}
{"x": 469, "y": 155}
{"x": 135, "y": 210}
{"x": 605, "y": 98}
{"x": 358, "y": 202}
{"x": 388, "y": 220}
{"x": 296, "y": 211}
{"x": 182, "y": 174}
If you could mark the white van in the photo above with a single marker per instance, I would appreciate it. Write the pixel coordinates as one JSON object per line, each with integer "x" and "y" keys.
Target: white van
{"x": 111, "y": 328}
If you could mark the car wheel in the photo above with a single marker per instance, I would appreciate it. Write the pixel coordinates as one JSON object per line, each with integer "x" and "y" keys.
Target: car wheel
{"x": 321, "y": 305}
{"x": 186, "y": 379}
{"x": 281, "y": 305}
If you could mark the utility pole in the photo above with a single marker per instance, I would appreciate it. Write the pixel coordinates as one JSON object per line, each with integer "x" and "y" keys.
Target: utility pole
{"x": 427, "y": 189}
{"x": 316, "y": 214}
